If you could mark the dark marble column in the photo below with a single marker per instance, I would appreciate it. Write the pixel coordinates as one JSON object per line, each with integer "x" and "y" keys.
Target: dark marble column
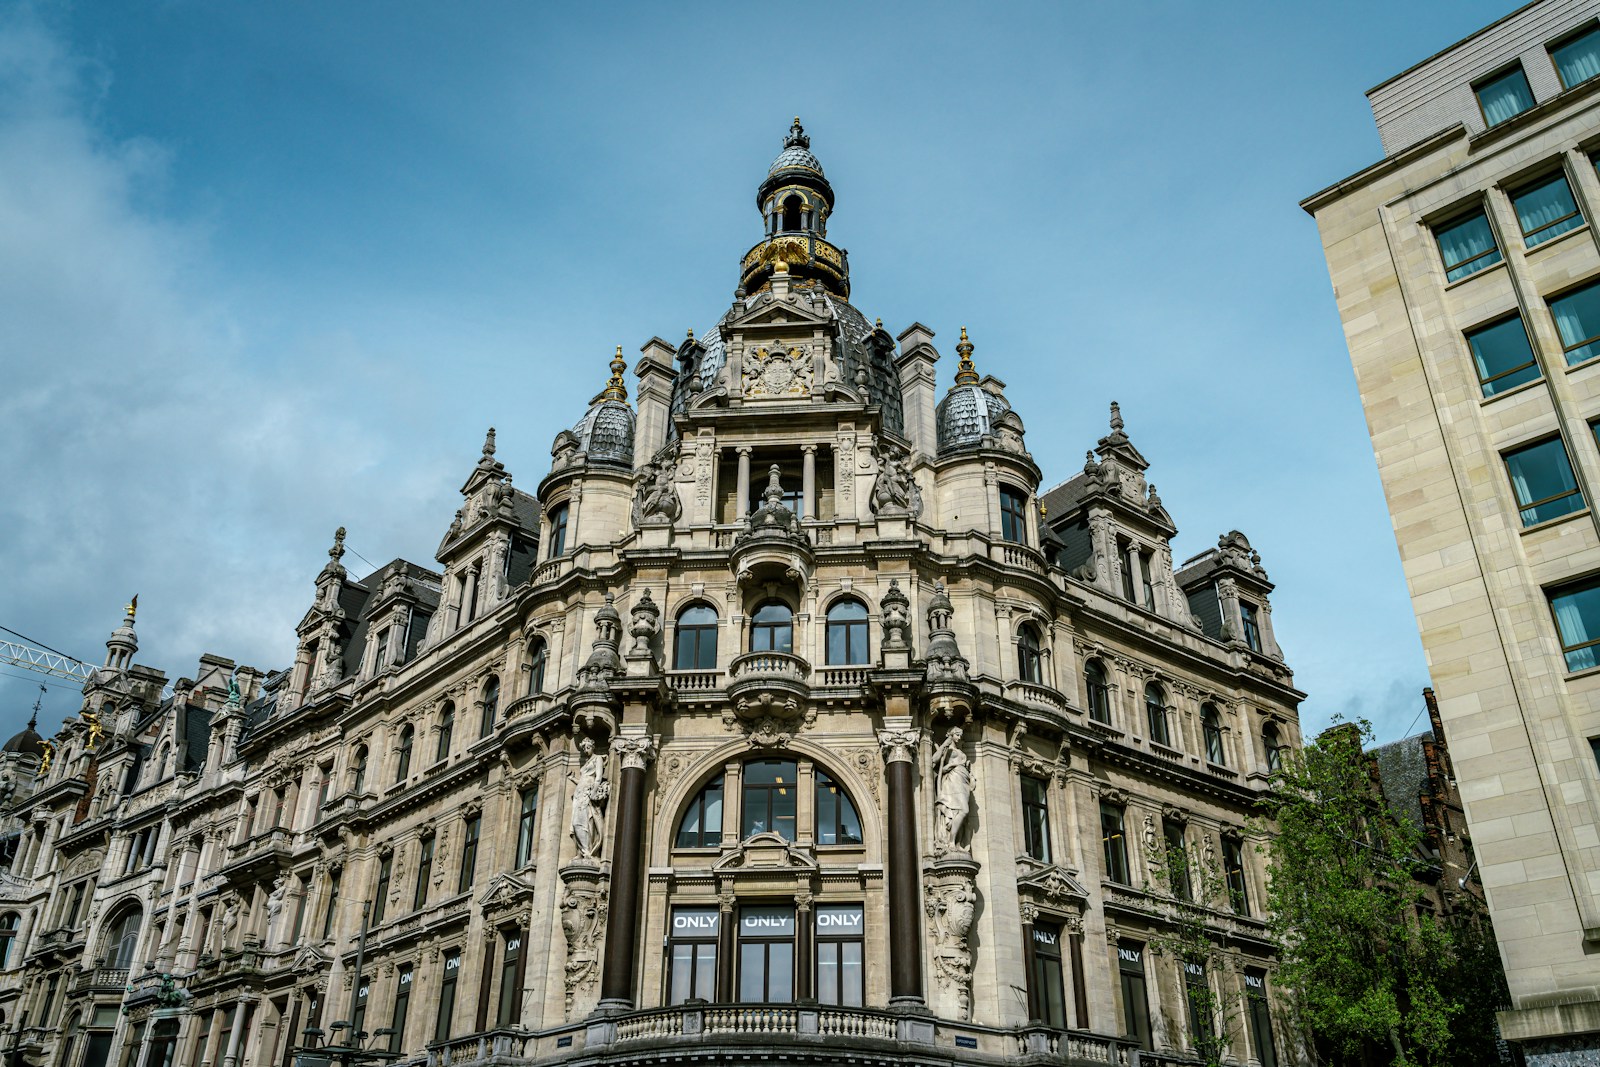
{"x": 1028, "y": 953}
{"x": 1080, "y": 992}
{"x": 625, "y": 910}
{"x": 805, "y": 951}
{"x": 905, "y": 909}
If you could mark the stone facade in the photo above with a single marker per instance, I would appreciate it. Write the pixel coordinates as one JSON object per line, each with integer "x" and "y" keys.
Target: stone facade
{"x": 1429, "y": 250}
{"x": 787, "y": 713}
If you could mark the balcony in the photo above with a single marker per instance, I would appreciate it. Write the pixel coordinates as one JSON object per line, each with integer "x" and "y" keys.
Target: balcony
{"x": 797, "y": 1034}
{"x": 771, "y": 678}
{"x": 102, "y": 980}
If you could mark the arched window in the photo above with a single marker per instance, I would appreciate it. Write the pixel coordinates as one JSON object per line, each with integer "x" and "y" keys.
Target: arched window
{"x": 772, "y": 628}
{"x": 1097, "y": 691}
{"x": 358, "y": 770}
{"x": 162, "y": 756}
{"x": 558, "y": 531}
{"x": 491, "y": 706}
{"x": 847, "y": 632}
{"x": 1155, "y": 712}
{"x": 791, "y": 214}
{"x": 1030, "y": 665}
{"x": 123, "y": 940}
{"x": 538, "y": 658}
{"x": 695, "y": 648}
{"x": 770, "y": 798}
{"x": 1273, "y": 743}
{"x": 837, "y": 821}
{"x": 9, "y": 922}
{"x": 447, "y": 727}
{"x": 1211, "y": 724}
{"x": 701, "y": 826}
{"x": 408, "y": 739}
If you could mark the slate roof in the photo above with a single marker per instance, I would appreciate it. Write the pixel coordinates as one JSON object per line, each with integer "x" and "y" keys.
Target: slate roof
{"x": 1403, "y": 773}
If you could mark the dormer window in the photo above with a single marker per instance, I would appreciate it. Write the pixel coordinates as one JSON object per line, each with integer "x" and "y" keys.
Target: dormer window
{"x": 558, "y": 531}
{"x": 380, "y": 656}
{"x": 1250, "y": 621}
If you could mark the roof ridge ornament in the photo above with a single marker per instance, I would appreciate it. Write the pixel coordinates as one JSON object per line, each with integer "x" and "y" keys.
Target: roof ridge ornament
{"x": 616, "y": 388}
{"x": 966, "y": 372}
{"x": 488, "y": 444}
{"x": 797, "y": 136}
{"x": 335, "y": 554}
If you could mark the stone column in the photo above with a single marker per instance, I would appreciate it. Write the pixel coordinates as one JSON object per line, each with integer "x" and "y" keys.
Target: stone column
{"x": 235, "y": 1034}
{"x": 622, "y": 920}
{"x": 899, "y": 742}
{"x": 808, "y": 481}
{"x": 741, "y": 507}
{"x": 1080, "y": 991}
{"x": 1029, "y": 913}
{"x": 804, "y": 947}
{"x": 725, "y": 946}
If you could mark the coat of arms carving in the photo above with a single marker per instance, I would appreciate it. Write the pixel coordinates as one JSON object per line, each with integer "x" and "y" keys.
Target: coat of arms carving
{"x": 780, "y": 372}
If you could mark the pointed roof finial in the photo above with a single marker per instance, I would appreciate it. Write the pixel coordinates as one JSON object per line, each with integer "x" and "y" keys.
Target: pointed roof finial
{"x": 133, "y": 607}
{"x": 966, "y": 373}
{"x": 33, "y": 721}
{"x": 488, "y": 443}
{"x": 774, "y": 493}
{"x": 1116, "y": 416}
{"x": 691, "y": 334}
{"x": 336, "y": 553}
{"x": 616, "y": 388}
{"x": 797, "y": 136}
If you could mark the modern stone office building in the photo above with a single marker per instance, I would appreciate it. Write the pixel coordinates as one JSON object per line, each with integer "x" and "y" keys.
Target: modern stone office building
{"x": 1467, "y": 273}
{"x": 787, "y": 715}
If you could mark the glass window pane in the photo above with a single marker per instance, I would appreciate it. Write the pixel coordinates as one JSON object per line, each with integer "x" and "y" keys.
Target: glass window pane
{"x": 1577, "y": 318}
{"x": 783, "y": 811}
{"x": 682, "y": 972}
{"x": 828, "y": 972}
{"x": 1503, "y": 356}
{"x": 1579, "y": 59}
{"x": 838, "y": 650}
{"x": 827, "y": 814}
{"x": 1577, "y": 613}
{"x": 780, "y": 971}
{"x": 852, "y": 977}
{"x": 1504, "y": 96}
{"x": 1467, "y": 247}
{"x": 711, "y": 823}
{"x": 752, "y": 971}
{"x": 705, "y": 975}
{"x": 1542, "y": 479}
{"x": 1546, "y": 210}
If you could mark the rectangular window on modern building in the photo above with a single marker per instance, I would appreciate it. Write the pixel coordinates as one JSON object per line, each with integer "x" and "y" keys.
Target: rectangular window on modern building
{"x": 1135, "y": 1000}
{"x": 1577, "y": 614}
{"x": 1504, "y": 95}
{"x": 447, "y": 995}
{"x": 1260, "y": 1018}
{"x": 841, "y": 950}
{"x": 766, "y": 954}
{"x": 1541, "y": 478}
{"x": 1577, "y": 57}
{"x": 692, "y": 954}
{"x": 1114, "y": 843}
{"x": 1466, "y": 245}
{"x": 1546, "y": 209}
{"x": 1577, "y": 316}
{"x": 1503, "y": 355}
{"x": 1049, "y": 987}
{"x": 1036, "y": 817}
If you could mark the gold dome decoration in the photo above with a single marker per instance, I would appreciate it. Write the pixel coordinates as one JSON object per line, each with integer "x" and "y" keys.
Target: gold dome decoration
{"x": 966, "y": 373}
{"x": 616, "y": 388}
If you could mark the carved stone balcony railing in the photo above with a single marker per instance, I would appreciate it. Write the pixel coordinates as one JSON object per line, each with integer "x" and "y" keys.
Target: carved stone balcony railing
{"x": 264, "y": 852}
{"x": 1014, "y": 555}
{"x": 550, "y": 570}
{"x": 103, "y": 980}
{"x": 844, "y": 677}
{"x": 781, "y": 674}
{"x": 1038, "y": 695}
{"x": 694, "y": 681}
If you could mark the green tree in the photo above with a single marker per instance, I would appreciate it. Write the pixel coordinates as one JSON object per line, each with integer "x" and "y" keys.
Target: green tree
{"x": 1373, "y": 973}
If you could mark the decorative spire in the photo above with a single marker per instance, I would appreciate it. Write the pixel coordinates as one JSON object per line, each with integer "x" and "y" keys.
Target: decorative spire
{"x": 966, "y": 373}
{"x": 797, "y": 138}
{"x": 1116, "y": 417}
{"x": 336, "y": 553}
{"x": 616, "y": 388}
{"x": 33, "y": 720}
{"x": 774, "y": 493}
{"x": 488, "y": 444}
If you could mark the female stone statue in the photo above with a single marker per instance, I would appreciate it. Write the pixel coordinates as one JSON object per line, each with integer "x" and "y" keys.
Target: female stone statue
{"x": 588, "y": 801}
{"x": 953, "y": 795}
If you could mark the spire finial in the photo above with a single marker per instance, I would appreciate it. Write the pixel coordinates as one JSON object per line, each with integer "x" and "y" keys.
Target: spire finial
{"x": 616, "y": 388}
{"x": 488, "y": 443}
{"x": 797, "y": 138}
{"x": 33, "y": 721}
{"x": 336, "y": 553}
{"x": 966, "y": 373}
{"x": 133, "y": 607}
{"x": 774, "y": 493}
{"x": 1116, "y": 416}
{"x": 691, "y": 334}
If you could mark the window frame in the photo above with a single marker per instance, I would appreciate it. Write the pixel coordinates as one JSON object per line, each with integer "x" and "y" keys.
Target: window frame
{"x": 447, "y": 729}
{"x": 1235, "y": 876}
{"x": 527, "y": 823}
{"x": 419, "y": 890}
{"x": 471, "y": 833}
{"x": 1592, "y": 284}
{"x": 1453, "y": 222}
{"x": 1175, "y": 847}
{"x": 558, "y": 529}
{"x": 703, "y": 637}
{"x": 1514, "y": 68}
{"x": 1524, "y": 508}
{"x": 1013, "y": 515}
{"x": 698, "y": 959}
{"x": 1132, "y": 980}
{"x": 839, "y": 803}
{"x": 1566, "y": 588}
{"x": 1048, "y": 974}
{"x": 1035, "y": 817}
{"x": 1211, "y": 730}
{"x": 1566, "y": 40}
{"x": 408, "y": 740}
{"x": 1030, "y": 654}
{"x": 855, "y": 995}
{"x": 772, "y": 629}
{"x": 449, "y": 982}
{"x": 1534, "y": 185}
{"x": 1114, "y": 843}
{"x": 851, "y": 630}
{"x": 490, "y": 712}
{"x": 1155, "y": 713}
{"x": 380, "y": 889}
{"x": 767, "y": 793}
{"x": 1258, "y": 1012}
{"x": 1250, "y": 623}
{"x": 766, "y": 945}
{"x": 697, "y": 807}
{"x": 1533, "y": 355}
{"x": 1090, "y": 689}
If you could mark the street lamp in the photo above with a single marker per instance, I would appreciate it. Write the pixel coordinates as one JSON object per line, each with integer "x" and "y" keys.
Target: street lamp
{"x": 346, "y": 1046}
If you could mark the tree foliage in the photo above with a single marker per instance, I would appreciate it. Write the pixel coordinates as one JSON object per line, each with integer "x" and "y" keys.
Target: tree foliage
{"x": 1373, "y": 973}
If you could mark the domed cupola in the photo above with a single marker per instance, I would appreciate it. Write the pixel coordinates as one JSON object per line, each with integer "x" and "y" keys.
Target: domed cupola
{"x": 795, "y": 201}
{"x": 28, "y": 742}
{"x": 969, "y": 413}
{"x": 605, "y": 433}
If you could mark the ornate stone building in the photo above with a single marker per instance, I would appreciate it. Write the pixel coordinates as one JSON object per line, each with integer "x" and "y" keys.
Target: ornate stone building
{"x": 787, "y": 715}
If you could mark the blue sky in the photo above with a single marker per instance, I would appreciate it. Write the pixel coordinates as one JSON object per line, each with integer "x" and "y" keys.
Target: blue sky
{"x": 268, "y": 269}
